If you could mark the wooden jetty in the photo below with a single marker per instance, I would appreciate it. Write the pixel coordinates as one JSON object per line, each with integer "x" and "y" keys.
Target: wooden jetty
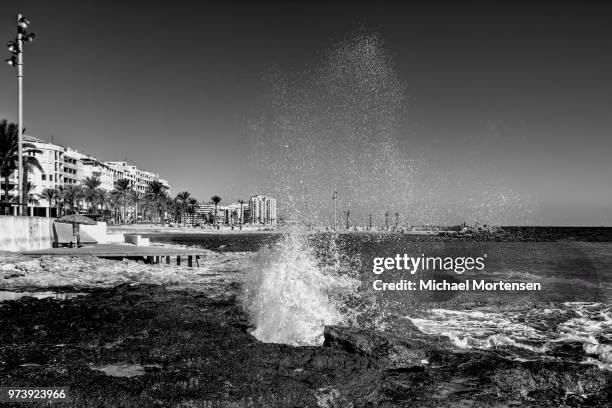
{"x": 153, "y": 255}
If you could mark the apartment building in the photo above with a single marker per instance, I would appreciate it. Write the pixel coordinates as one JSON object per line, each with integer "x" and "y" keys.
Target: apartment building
{"x": 262, "y": 210}
{"x": 139, "y": 179}
{"x": 64, "y": 166}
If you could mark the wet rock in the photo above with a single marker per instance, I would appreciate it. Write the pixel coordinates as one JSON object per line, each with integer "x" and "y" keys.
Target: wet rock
{"x": 7, "y": 266}
{"x": 390, "y": 350}
{"x": 31, "y": 265}
{"x": 185, "y": 348}
{"x": 528, "y": 378}
{"x": 12, "y": 274}
{"x": 568, "y": 349}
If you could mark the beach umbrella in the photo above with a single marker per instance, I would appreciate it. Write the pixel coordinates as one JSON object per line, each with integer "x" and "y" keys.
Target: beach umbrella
{"x": 76, "y": 220}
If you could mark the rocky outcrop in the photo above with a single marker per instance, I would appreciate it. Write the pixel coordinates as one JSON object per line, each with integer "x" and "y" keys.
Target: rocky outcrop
{"x": 193, "y": 349}
{"x": 429, "y": 368}
{"x": 413, "y": 349}
{"x": 526, "y": 379}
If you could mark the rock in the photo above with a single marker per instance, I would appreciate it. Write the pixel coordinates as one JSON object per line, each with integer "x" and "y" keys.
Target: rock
{"x": 568, "y": 349}
{"x": 12, "y": 274}
{"x": 549, "y": 377}
{"x": 196, "y": 350}
{"x": 392, "y": 351}
{"x": 400, "y": 326}
{"x": 31, "y": 265}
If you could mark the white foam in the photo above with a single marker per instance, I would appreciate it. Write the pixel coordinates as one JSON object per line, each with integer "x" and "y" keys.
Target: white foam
{"x": 484, "y": 330}
{"x": 290, "y": 297}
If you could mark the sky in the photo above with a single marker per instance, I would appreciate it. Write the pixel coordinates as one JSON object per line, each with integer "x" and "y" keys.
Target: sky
{"x": 512, "y": 93}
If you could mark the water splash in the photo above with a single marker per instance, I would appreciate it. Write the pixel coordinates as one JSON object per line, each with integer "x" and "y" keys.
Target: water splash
{"x": 291, "y": 295}
{"x": 333, "y": 127}
{"x": 337, "y": 126}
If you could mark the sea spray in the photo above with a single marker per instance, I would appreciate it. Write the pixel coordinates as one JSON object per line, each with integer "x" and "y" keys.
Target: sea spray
{"x": 291, "y": 294}
{"x": 339, "y": 125}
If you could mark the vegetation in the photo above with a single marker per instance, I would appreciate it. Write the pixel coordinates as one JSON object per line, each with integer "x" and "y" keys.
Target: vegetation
{"x": 182, "y": 202}
{"x": 92, "y": 193}
{"x": 9, "y": 156}
{"x": 156, "y": 198}
{"x": 123, "y": 189}
{"x": 50, "y": 195}
{"x": 216, "y": 200}
{"x": 121, "y": 205}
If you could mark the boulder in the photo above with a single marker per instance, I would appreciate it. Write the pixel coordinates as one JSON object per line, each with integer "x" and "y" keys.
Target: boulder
{"x": 553, "y": 378}
{"x": 391, "y": 351}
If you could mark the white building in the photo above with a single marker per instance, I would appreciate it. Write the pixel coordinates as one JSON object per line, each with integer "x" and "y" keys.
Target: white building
{"x": 262, "y": 210}
{"x": 236, "y": 213}
{"x": 95, "y": 168}
{"x": 63, "y": 166}
{"x": 139, "y": 179}
{"x": 206, "y": 211}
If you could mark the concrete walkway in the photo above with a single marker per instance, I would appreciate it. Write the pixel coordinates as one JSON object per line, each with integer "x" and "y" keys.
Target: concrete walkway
{"x": 119, "y": 251}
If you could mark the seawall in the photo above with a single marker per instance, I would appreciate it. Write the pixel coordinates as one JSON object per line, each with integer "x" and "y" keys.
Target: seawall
{"x": 25, "y": 233}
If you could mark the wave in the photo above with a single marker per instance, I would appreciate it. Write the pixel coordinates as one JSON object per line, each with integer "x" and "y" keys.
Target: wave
{"x": 291, "y": 295}
{"x": 541, "y": 331}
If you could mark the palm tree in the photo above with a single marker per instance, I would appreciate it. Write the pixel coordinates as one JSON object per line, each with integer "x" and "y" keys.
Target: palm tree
{"x": 73, "y": 194}
{"x": 181, "y": 200}
{"x": 147, "y": 206}
{"x": 49, "y": 194}
{"x": 60, "y": 195}
{"x": 8, "y": 150}
{"x": 241, "y": 202}
{"x": 396, "y": 219}
{"x": 32, "y": 199}
{"x": 105, "y": 199}
{"x": 156, "y": 192}
{"x": 191, "y": 203}
{"x": 114, "y": 200}
{"x": 92, "y": 192}
{"x": 216, "y": 200}
{"x": 9, "y": 156}
{"x": 137, "y": 200}
{"x": 29, "y": 164}
{"x": 124, "y": 189}
{"x": 370, "y": 224}
{"x": 171, "y": 207}
{"x": 386, "y": 220}
{"x": 29, "y": 191}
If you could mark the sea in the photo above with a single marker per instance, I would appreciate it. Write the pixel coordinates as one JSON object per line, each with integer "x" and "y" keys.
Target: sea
{"x": 299, "y": 282}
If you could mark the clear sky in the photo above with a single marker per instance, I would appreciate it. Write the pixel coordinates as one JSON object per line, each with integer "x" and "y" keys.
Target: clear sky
{"x": 519, "y": 90}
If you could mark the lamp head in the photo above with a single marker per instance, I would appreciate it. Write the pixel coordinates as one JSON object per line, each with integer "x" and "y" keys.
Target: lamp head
{"x": 23, "y": 22}
{"x": 11, "y": 61}
{"x": 13, "y": 47}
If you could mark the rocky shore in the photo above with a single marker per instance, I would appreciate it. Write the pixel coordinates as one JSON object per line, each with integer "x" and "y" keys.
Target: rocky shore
{"x": 181, "y": 339}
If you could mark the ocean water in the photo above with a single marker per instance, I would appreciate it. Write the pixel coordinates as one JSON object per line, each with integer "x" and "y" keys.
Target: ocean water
{"x": 299, "y": 283}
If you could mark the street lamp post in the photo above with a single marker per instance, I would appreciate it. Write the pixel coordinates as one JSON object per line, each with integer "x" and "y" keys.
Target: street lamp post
{"x": 15, "y": 47}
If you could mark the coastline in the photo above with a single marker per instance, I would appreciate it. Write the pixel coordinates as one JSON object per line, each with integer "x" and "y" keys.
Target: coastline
{"x": 186, "y": 340}
{"x": 178, "y": 336}
{"x": 505, "y": 234}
